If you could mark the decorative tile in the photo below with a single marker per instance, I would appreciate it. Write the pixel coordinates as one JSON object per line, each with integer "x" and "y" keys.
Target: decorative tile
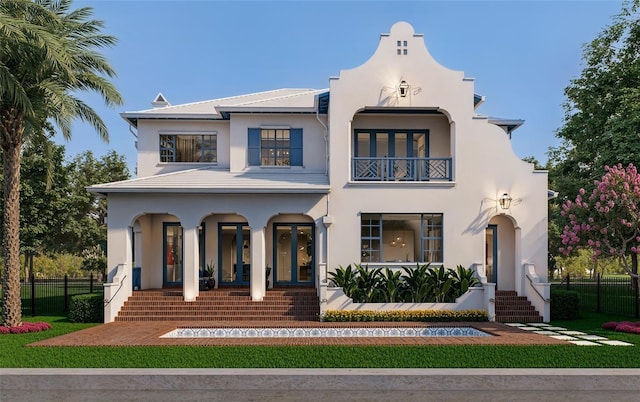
{"x": 372, "y": 332}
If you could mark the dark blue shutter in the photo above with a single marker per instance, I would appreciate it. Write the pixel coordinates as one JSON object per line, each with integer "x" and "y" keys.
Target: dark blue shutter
{"x": 254, "y": 147}
{"x": 296, "y": 146}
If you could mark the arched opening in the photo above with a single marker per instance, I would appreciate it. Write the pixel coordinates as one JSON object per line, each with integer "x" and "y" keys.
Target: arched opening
{"x": 500, "y": 252}
{"x": 293, "y": 258}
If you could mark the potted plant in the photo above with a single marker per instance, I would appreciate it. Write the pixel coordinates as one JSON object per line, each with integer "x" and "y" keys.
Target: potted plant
{"x": 210, "y": 273}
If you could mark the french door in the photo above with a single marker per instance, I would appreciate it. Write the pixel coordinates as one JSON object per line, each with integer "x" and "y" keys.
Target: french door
{"x": 172, "y": 255}
{"x": 234, "y": 253}
{"x": 294, "y": 253}
{"x": 491, "y": 253}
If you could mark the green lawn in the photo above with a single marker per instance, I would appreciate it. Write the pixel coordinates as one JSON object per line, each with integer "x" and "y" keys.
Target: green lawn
{"x": 13, "y": 353}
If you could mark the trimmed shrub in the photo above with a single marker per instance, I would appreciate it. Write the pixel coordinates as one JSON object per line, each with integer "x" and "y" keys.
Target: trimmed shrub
{"x": 565, "y": 304}
{"x": 86, "y": 308}
{"x": 26, "y": 327}
{"x": 623, "y": 326}
{"x": 405, "y": 315}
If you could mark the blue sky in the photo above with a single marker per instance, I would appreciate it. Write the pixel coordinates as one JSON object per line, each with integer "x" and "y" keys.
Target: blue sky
{"x": 522, "y": 54}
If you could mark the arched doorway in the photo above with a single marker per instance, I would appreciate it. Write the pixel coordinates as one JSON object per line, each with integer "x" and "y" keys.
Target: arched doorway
{"x": 500, "y": 252}
{"x": 293, "y": 250}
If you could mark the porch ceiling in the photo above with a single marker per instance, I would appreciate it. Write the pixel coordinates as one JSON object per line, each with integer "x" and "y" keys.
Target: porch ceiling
{"x": 211, "y": 180}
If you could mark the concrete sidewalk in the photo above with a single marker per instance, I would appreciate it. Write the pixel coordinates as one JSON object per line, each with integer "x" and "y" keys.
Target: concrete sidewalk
{"x": 319, "y": 384}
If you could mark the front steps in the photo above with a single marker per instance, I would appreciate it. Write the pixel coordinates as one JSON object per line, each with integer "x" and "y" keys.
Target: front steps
{"x": 513, "y": 308}
{"x": 295, "y": 304}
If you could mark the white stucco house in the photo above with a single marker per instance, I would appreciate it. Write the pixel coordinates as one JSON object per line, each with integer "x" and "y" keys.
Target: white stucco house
{"x": 391, "y": 165}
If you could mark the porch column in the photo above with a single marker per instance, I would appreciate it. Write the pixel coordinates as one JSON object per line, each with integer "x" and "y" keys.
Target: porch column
{"x": 258, "y": 259}
{"x": 118, "y": 283}
{"x": 191, "y": 263}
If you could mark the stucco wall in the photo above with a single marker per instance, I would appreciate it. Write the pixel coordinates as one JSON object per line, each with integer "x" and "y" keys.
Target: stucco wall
{"x": 484, "y": 163}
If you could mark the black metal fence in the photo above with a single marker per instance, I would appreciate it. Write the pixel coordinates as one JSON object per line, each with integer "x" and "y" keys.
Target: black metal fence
{"x": 612, "y": 295}
{"x": 45, "y": 296}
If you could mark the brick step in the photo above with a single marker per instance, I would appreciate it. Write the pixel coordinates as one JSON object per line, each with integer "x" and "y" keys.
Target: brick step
{"x": 513, "y": 308}
{"x": 224, "y": 304}
{"x": 519, "y": 318}
{"x": 506, "y": 293}
{"x": 213, "y": 311}
{"x": 227, "y": 318}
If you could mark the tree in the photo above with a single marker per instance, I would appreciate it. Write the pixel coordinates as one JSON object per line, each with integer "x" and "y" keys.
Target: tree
{"x": 48, "y": 53}
{"x": 608, "y": 221}
{"x": 602, "y": 110}
{"x": 45, "y": 205}
{"x": 88, "y": 227}
{"x": 602, "y": 115}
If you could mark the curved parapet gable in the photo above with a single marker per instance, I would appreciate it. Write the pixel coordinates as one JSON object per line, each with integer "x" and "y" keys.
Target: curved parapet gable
{"x": 402, "y": 73}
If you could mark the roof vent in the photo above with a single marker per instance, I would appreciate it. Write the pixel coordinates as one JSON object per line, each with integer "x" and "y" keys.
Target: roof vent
{"x": 160, "y": 101}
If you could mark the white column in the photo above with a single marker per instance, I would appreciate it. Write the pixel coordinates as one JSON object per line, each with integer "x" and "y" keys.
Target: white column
{"x": 118, "y": 287}
{"x": 191, "y": 263}
{"x": 258, "y": 257}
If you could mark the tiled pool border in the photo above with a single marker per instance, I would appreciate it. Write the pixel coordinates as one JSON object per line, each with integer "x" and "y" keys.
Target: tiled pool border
{"x": 319, "y": 332}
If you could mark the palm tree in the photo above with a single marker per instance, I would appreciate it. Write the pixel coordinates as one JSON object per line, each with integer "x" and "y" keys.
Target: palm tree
{"x": 48, "y": 53}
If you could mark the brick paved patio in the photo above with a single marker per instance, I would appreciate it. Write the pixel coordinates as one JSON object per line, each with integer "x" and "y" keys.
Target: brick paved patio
{"x": 148, "y": 334}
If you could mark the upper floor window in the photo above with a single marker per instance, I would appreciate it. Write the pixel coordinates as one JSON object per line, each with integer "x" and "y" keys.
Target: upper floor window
{"x": 275, "y": 146}
{"x": 392, "y": 143}
{"x": 401, "y": 238}
{"x": 199, "y": 148}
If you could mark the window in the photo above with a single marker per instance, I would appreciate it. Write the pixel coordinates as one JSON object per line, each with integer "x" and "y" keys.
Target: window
{"x": 188, "y": 148}
{"x": 392, "y": 143}
{"x": 275, "y": 147}
{"x": 391, "y": 155}
{"x": 401, "y": 238}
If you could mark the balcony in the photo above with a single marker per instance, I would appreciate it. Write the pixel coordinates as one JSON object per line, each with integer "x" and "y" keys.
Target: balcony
{"x": 401, "y": 169}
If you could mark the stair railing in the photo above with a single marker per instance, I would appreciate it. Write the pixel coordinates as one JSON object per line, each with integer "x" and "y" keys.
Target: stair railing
{"x": 118, "y": 279}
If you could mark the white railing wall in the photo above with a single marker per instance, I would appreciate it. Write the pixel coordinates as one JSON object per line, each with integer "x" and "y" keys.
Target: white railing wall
{"x": 116, "y": 291}
{"x": 537, "y": 291}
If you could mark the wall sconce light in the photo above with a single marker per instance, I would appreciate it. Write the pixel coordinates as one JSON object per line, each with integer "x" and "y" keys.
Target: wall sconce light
{"x": 403, "y": 89}
{"x": 505, "y": 201}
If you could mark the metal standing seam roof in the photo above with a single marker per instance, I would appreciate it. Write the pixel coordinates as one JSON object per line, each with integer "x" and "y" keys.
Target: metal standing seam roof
{"x": 215, "y": 180}
{"x": 284, "y": 100}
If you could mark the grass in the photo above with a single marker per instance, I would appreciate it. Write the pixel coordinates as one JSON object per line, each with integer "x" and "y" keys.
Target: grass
{"x": 13, "y": 353}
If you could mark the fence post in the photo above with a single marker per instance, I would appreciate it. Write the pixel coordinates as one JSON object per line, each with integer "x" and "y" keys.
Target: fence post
{"x": 91, "y": 282}
{"x": 598, "y": 292}
{"x": 33, "y": 294}
{"x": 637, "y": 282}
{"x": 568, "y": 280}
{"x": 66, "y": 292}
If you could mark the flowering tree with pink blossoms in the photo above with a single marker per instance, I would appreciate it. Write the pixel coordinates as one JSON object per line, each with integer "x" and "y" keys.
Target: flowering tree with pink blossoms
{"x": 607, "y": 221}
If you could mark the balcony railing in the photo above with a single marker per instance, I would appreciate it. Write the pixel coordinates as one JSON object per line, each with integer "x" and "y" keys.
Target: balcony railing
{"x": 401, "y": 169}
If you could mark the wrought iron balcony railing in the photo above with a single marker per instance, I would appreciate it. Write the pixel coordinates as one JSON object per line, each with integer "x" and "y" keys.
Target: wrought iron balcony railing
{"x": 401, "y": 169}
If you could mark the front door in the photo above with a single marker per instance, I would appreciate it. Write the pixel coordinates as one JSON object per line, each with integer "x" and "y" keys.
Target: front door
{"x": 234, "y": 253}
{"x": 294, "y": 253}
{"x": 491, "y": 253}
{"x": 172, "y": 254}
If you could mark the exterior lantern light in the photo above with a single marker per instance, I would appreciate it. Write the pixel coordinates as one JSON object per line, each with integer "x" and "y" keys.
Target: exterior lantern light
{"x": 505, "y": 201}
{"x": 403, "y": 89}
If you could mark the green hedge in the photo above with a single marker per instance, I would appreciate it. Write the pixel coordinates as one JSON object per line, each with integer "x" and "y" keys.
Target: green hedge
{"x": 403, "y": 315}
{"x": 86, "y": 308}
{"x": 565, "y": 304}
